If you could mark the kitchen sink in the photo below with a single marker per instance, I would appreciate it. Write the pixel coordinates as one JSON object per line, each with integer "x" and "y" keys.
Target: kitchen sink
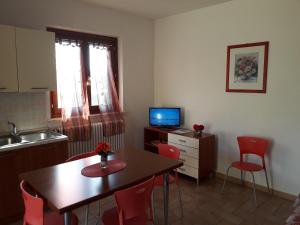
{"x": 8, "y": 140}
{"x": 39, "y": 136}
{"x": 26, "y": 138}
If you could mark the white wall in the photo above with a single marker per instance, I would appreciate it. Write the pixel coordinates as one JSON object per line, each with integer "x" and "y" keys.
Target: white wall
{"x": 135, "y": 46}
{"x": 190, "y": 62}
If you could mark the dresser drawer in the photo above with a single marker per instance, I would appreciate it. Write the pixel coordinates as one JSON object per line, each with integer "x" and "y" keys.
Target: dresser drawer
{"x": 182, "y": 140}
{"x": 189, "y": 161}
{"x": 192, "y": 152}
{"x": 187, "y": 170}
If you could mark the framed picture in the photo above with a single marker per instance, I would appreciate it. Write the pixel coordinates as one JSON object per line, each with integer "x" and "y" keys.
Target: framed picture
{"x": 247, "y": 67}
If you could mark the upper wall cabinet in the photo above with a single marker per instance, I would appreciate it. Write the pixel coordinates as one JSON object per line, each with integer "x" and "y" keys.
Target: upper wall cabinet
{"x": 27, "y": 60}
{"x": 8, "y": 63}
{"x": 35, "y": 60}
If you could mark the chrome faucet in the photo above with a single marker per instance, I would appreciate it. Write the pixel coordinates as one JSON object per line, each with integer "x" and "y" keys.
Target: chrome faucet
{"x": 13, "y": 131}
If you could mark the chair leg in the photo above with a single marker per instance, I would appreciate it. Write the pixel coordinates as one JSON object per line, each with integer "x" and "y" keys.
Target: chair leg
{"x": 254, "y": 191}
{"x": 242, "y": 177}
{"x": 87, "y": 215}
{"x": 267, "y": 180}
{"x": 225, "y": 180}
{"x": 180, "y": 199}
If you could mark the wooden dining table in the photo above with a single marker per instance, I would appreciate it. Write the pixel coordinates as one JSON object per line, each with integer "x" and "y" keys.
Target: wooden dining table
{"x": 64, "y": 188}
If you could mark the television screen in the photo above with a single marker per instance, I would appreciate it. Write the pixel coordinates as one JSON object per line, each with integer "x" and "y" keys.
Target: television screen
{"x": 164, "y": 117}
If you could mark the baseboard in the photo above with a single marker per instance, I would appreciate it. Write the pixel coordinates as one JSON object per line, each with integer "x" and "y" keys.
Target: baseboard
{"x": 258, "y": 187}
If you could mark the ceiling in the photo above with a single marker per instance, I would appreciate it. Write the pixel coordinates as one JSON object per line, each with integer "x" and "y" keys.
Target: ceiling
{"x": 154, "y": 9}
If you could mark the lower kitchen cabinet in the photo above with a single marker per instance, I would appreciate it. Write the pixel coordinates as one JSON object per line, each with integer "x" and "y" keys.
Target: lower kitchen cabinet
{"x": 14, "y": 162}
{"x": 47, "y": 155}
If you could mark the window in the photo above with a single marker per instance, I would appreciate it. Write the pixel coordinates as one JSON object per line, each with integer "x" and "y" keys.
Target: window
{"x": 83, "y": 64}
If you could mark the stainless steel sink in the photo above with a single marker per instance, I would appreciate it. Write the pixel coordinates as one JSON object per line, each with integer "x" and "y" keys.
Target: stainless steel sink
{"x": 25, "y": 138}
{"x": 39, "y": 136}
{"x": 7, "y": 140}
{"x": 10, "y": 140}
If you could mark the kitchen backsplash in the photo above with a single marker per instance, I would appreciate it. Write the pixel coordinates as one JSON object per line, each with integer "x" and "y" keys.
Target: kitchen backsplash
{"x": 26, "y": 110}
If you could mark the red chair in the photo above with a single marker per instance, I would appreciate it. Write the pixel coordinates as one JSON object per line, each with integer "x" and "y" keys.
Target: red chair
{"x": 82, "y": 156}
{"x": 172, "y": 152}
{"x": 255, "y": 146}
{"x": 34, "y": 211}
{"x": 132, "y": 207}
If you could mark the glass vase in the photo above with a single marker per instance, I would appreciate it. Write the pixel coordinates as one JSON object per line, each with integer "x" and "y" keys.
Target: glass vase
{"x": 103, "y": 161}
{"x": 198, "y": 133}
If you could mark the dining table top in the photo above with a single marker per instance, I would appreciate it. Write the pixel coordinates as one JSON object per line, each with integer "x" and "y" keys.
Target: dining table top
{"x": 64, "y": 188}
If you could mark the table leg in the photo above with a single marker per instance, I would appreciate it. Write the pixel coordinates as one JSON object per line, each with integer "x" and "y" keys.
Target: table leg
{"x": 166, "y": 197}
{"x": 99, "y": 213}
{"x": 68, "y": 218}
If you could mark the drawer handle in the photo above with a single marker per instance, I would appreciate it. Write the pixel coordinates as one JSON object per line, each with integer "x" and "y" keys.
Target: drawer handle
{"x": 3, "y": 88}
{"x": 182, "y": 140}
{"x": 39, "y": 88}
{"x": 182, "y": 169}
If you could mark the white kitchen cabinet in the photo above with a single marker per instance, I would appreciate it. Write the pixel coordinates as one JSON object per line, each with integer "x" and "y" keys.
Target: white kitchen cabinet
{"x": 8, "y": 63}
{"x": 35, "y": 60}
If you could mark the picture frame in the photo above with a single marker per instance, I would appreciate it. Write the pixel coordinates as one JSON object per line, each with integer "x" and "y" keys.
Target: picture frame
{"x": 247, "y": 67}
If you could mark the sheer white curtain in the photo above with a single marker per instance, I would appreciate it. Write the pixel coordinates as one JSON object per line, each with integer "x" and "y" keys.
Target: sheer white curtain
{"x": 71, "y": 91}
{"x": 69, "y": 78}
{"x": 99, "y": 72}
{"x": 104, "y": 90}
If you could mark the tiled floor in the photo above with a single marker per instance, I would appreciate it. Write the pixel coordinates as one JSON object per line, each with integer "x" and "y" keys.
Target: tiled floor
{"x": 204, "y": 205}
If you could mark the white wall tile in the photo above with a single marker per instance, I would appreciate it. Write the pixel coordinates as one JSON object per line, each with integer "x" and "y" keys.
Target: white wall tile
{"x": 26, "y": 110}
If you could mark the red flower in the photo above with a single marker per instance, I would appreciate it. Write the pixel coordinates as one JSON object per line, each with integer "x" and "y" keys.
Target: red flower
{"x": 198, "y": 127}
{"x": 102, "y": 148}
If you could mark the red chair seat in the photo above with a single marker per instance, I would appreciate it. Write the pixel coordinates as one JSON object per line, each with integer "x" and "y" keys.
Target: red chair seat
{"x": 159, "y": 180}
{"x": 53, "y": 218}
{"x": 111, "y": 217}
{"x": 247, "y": 166}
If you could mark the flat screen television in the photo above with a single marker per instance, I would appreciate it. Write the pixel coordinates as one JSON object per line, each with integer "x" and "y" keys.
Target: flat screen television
{"x": 164, "y": 117}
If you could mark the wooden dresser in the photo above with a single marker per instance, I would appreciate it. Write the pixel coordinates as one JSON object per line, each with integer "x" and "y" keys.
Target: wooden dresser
{"x": 197, "y": 152}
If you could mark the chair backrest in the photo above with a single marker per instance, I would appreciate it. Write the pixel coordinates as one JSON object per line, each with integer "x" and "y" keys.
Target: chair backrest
{"x": 135, "y": 201}
{"x": 253, "y": 145}
{"x": 33, "y": 207}
{"x": 81, "y": 156}
{"x": 169, "y": 151}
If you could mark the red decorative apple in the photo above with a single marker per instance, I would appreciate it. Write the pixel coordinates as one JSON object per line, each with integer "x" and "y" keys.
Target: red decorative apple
{"x": 198, "y": 127}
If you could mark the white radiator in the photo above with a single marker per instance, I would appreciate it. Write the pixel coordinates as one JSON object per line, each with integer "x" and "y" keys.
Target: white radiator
{"x": 116, "y": 142}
